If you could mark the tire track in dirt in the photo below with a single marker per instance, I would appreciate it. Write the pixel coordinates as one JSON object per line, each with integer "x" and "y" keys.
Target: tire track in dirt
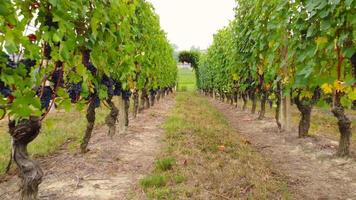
{"x": 112, "y": 166}
{"x": 312, "y": 170}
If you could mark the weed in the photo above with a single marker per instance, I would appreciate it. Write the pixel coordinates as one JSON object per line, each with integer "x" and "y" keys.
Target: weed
{"x": 165, "y": 164}
{"x": 153, "y": 181}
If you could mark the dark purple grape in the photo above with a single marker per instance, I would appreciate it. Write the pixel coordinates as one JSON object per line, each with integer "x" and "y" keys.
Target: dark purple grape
{"x": 91, "y": 68}
{"x": 28, "y": 63}
{"x": 4, "y": 90}
{"x": 49, "y": 22}
{"x": 126, "y": 94}
{"x": 57, "y": 76}
{"x": 96, "y": 100}
{"x": 74, "y": 91}
{"x": 117, "y": 90}
{"x": 47, "y": 52}
{"x": 4, "y": 58}
{"x": 46, "y": 96}
{"x": 153, "y": 92}
{"x": 11, "y": 64}
{"x": 109, "y": 83}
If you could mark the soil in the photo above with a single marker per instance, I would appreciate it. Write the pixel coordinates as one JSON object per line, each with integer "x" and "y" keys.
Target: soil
{"x": 310, "y": 165}
{"x": 110, "y": 169}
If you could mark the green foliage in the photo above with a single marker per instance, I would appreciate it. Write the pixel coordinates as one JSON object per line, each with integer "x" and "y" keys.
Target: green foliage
{"x": 124, "y": 38}
{"x": 191, "y": 57}
{"x": 301, "y": 45}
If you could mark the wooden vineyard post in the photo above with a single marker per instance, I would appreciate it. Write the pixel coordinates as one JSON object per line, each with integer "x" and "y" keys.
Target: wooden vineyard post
{"x": 286, "y": 114}
{"x": 286, "y": 99}
{"x": 121, "y": 123}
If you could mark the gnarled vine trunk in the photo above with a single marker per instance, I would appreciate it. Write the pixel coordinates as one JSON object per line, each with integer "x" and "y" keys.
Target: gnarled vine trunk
{"x": 147, "y": 101}
{"x": 305, "y": 107}
{"x": 305, "y": 114}
{"x": 254, "y": 102}
{"x": 235, "y": 99}
{"x": 231, "y": 99}
{"x": 135, "y": 105}
{"x": 126, "y": 102}
{"x": 23, "y": 132}
{"x": 279, "y": 104}
{"x": 153, "y": 97}
{"x": 90, "y": 126}
{"x": 263, "y": 105}
{"x": 90, "y": 116}
{"x": 344, "y": 124}
{"x": 112, "y": 117}
{"x": 158, "y": 95}
{"x": 244, "y": 98}
{"x": 143, "y": 100}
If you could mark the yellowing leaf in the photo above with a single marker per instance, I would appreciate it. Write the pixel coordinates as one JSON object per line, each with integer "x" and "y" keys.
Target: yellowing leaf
{"x": 260, "y": 70}
{"x": 327, "y": 88}
{"x": 321, "y": 41}
{"x": 235, "y": 77}
{"x": 338, "y": 85}
{"x": 270, "y": 44}
{"x": 307, "y": 94}
{"x": 352, "y": 94}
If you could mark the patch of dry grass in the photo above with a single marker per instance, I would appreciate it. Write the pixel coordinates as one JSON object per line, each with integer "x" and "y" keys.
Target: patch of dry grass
{"x": 212, "y": 161}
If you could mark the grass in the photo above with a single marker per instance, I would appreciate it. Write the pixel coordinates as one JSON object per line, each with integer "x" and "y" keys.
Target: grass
{"x": 165, "y": 164}
{"x": 186, "y": 80}
{"x": 194, "y": 165}
{"x": 57, "y": 129}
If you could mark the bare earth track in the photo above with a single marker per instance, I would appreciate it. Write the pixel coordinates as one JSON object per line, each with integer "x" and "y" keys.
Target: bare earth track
{"x": 309, "y": 164}
{"x": 110, "y": 169}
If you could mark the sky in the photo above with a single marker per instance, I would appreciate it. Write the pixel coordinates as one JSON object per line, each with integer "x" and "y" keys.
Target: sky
{"x": 193, "y": 22}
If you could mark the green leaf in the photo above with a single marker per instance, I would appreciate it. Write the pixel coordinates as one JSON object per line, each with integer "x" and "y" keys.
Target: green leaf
{"x": 311, "y": 30}
{"x": 348, "y": 52}
{"x": 346, "y": 102}
{"x": 56, "y": 38}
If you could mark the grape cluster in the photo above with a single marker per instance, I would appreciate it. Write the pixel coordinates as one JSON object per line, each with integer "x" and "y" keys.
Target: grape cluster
{"x": 49, "y": 22}
{"x": 4, "y": 90}
{"x": 27, "y": 63}
{"x": 91, "y": 68}
{"x": 57, "y": 75}
{"x": 109, "y": 83}
{"x": 94, "y": 97}
{"x": 117, "y": 90}
{"x": 45, "y": 93}
{"x": 74, "y": 90}
{"x": 153, "y": 92}
{"x": 126, "y": 94}
{"x": 47, "y": 52}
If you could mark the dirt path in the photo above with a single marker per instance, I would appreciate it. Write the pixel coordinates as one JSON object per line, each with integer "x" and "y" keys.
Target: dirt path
{"x": 312, "y": 170}
{"x": 110, "y": 169}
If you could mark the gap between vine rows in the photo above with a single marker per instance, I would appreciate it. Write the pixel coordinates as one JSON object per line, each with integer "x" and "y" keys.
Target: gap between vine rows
{"x": 312, "y": 169}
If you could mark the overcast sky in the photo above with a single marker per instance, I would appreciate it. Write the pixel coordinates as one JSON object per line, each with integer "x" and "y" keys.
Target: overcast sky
{"x": 193, "y": 22}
